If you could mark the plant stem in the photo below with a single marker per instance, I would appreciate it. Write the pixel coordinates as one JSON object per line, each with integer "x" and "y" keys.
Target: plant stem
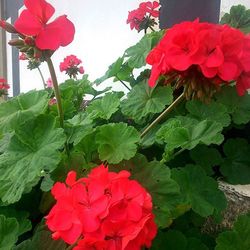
{"x": 56, "y": 90}
{"x": 152, "y": 28}
{"x": 123, "y": 83}
{"x": 41, "y": 74}
{"x": 163, "y": 114}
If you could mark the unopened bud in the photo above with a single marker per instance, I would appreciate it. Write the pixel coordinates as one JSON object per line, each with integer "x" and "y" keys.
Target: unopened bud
{"x": 29, "y": 41}
{"x": 16, "y": 42}
{"x": 8, "y": 27}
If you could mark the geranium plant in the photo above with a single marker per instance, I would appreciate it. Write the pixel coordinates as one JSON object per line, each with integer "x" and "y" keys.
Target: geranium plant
{"x": 127, "y": 171}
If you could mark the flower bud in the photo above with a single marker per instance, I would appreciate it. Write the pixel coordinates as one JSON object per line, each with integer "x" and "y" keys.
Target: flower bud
{"x": 16, "y": 42}
{"x": 29, "y": 41}
{"x": 8, "y": 27}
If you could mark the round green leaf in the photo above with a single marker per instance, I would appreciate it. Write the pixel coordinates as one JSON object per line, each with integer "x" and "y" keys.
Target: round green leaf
{"x": 143, "y": 101}
{"x": 8, "y": 232}
{"x": 22, "y": 108}
{"x": 116, "y": 142}
{"x": 32, "y": 150}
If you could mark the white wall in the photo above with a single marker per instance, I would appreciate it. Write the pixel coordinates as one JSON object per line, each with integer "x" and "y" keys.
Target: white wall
{"x": 102, "y": 35}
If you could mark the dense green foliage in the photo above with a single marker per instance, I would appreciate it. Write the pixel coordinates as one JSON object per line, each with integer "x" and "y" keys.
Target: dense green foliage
{"x": 178, "y": 161}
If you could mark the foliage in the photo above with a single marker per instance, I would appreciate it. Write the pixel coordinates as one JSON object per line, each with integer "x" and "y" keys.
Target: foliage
{"x": 239, "y": 18}
{"x": 178, "y": 161}
{"x": 238, "y": 238}
{"x": 143, "y": 101}
{"x": 116, "y": 142}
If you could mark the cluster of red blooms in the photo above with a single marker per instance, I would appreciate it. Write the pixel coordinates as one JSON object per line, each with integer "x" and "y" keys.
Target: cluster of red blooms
{"x": 34, "y": 31}
{"x": 140, "y": 19}
{"x": 202, "y": 57}
{"x": 104, "y": 211}
{"x": 70, "y": 66}
{"x": 3, "y": 87}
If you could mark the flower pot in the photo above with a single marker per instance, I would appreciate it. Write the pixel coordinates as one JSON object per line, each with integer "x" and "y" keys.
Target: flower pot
{"x": 176, "y": 11}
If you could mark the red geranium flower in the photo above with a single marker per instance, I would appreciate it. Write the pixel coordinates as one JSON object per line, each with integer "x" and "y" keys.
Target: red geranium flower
{"x": 150, "y": 7}
{"x": 135, "y": 18}
{"x": 3, "y": 84}
{"x": 106, "y": 209}
{"x": 23, "y": 57}
{"x": 202, "y": 56}
{"x": 70, "y": 66}
{"x": 33, "y": 21}
{"x": 138, "y": 18}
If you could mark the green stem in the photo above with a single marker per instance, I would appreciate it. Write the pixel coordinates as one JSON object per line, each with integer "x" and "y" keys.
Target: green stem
{"x": 152, "y": 28}
{"x": 178, "y": 152}
{"x": 123, "y": 83}
{"x": 41, "y": 74}
{"x": 56, "y": 90}
{"x": 163, "y": 114}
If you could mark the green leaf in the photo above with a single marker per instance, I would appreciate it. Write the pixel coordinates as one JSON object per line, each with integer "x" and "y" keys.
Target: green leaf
{"x": 137, "y": 54}
{"x": 105, "y": 106}
{"x": 212, "y": 112}
{"x": 236, "y": 165}
{"x": 237, "y": 106}
{"x": 187, "y": 133}
{"x": 88, "y": 146}
{"x": 32, "y": 150}
{"x": 20, "y": 216}
{"x": 22, "y": 108}
{"x": 125, "y": 74}
{"x": 206, "y": 157}
{"x": 199, "y": 190}
{"x": 176, "y": 240}
{"x": 156, "y": 178}
{"x": 42, "y": 240}
{"x": 112, "y": 71}
{"x": 8, "y": 232}
{"x": 238, "y": 18}
{"x": 79, "y": 126}
{"x": 117, "y": 142}
{"x": 143, "y": 101}
{"x": 238, "y": 238}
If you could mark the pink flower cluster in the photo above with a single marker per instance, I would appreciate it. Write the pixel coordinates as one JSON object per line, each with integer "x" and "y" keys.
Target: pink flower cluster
{"x": 3, "y": 84}
{"x": 138, "y": 16}
{"x": 71, "y": 67}
{"x": 218, "y": 53}
{"x": 104, "y": 211}
{"x": 3, "y": 87}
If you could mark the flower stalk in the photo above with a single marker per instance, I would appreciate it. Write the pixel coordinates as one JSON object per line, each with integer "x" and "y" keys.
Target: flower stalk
{"x": 163, "y": 114}
{"x": 56, "y": 91}
{"x": 41, "y": 75}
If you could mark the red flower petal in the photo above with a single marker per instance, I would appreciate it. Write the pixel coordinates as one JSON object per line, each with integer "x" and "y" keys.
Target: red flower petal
{"x": 72, "y": 235}
{"x": 41, "y": 9}
{"x": 28, "y": 24}
{"x": 58, "y": 33}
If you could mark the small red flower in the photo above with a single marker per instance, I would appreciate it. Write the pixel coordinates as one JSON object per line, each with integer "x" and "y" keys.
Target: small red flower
{"x": 151, "y": 8}
{"x": 138, "y": 18}
{"x": 49, "y": 83}
{"x": 135, "y": 18}
{"x": 106, "y": 209}
{"x": 23, "y": 57}
{"x": 70, "y": 66}
{"x": 33, "y": 22}
{"x": 3, "y": 84}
